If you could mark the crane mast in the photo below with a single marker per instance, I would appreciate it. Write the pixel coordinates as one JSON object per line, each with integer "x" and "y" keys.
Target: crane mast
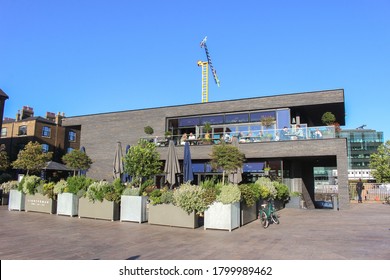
{"x": 205, "y": 73}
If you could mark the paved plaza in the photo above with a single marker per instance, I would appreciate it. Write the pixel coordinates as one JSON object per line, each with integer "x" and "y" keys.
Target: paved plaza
{"x": 358, "y": 233}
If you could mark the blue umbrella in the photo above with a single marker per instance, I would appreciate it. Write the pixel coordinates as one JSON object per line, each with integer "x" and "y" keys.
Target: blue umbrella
{"x": 188, "y": 175}
{"x": 82, "y": 172}
{"x": 126, "y": 177}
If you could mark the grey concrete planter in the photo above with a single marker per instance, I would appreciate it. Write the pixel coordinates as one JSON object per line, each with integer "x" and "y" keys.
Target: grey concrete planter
{"x": 133, "y": 208}
{"x": 17, "y": 200}
{"x": 67, "y": 204}
{"x": 40, "y": 203}
{"x": 222, "y": 216}
{"x": 171, "y": 215}
{"x": 105, "y": 210}
{"x": 248, "y": 213}
{"x": 294, "y": 202}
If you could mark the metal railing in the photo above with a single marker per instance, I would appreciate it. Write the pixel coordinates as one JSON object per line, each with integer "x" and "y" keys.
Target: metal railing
{"x": 248, "y": 136}
{"x": 371, "y": 192}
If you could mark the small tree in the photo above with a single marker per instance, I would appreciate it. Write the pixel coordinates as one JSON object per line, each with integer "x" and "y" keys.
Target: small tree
{"x": 227, "y": 157}
{"x": 380, "y": 163}
{"x": 32, "y": 158}
{"x": 328, "y": 118}
{"x": 148, "y": 130}
{"x": 4, "y": 161}
{"x": 77, "y": 160}
{"x": 142, "y": 161}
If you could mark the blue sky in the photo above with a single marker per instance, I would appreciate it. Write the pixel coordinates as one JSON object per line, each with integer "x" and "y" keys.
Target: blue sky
{"x": 87, "y": 57}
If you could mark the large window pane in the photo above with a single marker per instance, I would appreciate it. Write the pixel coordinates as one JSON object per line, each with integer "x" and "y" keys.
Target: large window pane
{"x": 283, "y": 118}
{"x": 257, "y": 116}
{"x": 212, "y": 119}
{"x": 185, "y": 122}
{"x": 236, "y": 118}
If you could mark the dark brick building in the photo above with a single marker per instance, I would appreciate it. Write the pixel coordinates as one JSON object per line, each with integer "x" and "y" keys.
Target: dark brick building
{"x": 291, "y": 159}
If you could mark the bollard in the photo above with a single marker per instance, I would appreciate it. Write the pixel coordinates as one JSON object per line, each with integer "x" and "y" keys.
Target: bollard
{"x": 335, "y": 202}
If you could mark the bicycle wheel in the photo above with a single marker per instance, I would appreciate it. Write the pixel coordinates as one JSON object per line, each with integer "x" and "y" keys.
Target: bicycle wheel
{"x": 264, "y": 220}
{"x": 275, "y": 218}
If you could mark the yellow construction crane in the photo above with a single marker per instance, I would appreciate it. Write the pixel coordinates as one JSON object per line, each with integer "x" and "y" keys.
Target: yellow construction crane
{"x": 205, "y": 72}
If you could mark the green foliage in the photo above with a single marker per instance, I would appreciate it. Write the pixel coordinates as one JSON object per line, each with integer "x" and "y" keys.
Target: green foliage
{"x": 142, "y": 161}
{"x": 190, "y": 198}
{"x": 380, "y": 163}
{"x": 148, "y": 130}
{"x": 328, "y": 118}
{"x": 10, "y": 185}
{"x": 48, "y": 190}
{"x": 78, "y": 185}
{"x": 61, "y": 186}
{"x": 131, "y": 191}
{"x": 161, "y": 196}
{"x": 266, "y": 187}
{"x": 229, "y": 194}
{"x": 250, "y": 193}
{"x": 100, "y": 190}
{"x": 207, "y": 127}
{"x": 282, "y": 191}
{"x": 209, "y": 195}
{"x": 227, "y": 157}
{"x": 208, "y": 183}
{"x": 77, "y": 160}
{"x": 32, "y": 158}
{"x": 4, "y": 160}
{"x": 295, "y": 194}
{"x": 29, "y": 184}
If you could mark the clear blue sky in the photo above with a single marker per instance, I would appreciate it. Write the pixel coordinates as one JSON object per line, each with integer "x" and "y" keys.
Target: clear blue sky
{"x": 87, "y": 57}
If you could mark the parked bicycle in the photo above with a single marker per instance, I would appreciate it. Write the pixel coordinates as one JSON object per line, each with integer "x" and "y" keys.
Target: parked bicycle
{"x": 267, "y": 214}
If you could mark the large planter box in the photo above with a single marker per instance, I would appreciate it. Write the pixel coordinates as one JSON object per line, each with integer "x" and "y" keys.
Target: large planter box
{"x": 171, "y": 215}
{"x": 40, "y": 203}
{"x": 17, "y": 200}
{"x": 133, "y": 208}
{"x": 67, "y": 204}
{"x": 248, "y": 213}
{"x": 222, "y": 216}
{"x": 105, "y": 210}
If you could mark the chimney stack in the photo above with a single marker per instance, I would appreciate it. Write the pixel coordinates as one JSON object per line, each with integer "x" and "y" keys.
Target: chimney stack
{"x": 27, "y": 112}
{"x": 59, "y": 118}
{"x": 51, "y": 116}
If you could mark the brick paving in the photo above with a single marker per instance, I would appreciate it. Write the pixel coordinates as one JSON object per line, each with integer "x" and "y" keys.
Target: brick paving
{"x": 360, "y": 232}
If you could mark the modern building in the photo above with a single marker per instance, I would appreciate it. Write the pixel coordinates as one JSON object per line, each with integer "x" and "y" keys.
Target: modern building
{"x": 361, "y": 144}
{"x": 258, "y": 122}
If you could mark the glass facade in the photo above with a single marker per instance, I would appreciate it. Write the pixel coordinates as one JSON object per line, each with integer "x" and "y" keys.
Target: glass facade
{"x": 361, "y": 144}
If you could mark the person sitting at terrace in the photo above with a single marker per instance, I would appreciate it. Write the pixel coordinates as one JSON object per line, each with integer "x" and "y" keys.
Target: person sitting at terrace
{"x": 299, "y": 132}
{"x": 183, "y": 139}
{"x": 227, "y": 138}
{"x": 317, "y": 133}
{"x": 283, "y": 134}
{"x": 191, "y": 137}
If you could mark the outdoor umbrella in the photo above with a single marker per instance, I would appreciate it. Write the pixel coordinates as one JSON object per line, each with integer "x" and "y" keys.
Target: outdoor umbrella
{"x": 236, "y": 176}
{"x": 126, "y": 177}
{"x": 118, "y": 161}
{"x": 172, "y": 166}
{"x": 82, "y": 172}
{"x": 188, "y": 175}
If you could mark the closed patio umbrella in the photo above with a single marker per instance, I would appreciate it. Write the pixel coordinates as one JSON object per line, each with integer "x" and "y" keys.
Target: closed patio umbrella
{"x": 118, "y": 161}
{"x": 126, "y": 177}
{"x": 188, "y": 175}
{"x": 236, "y": 176}
{"x": 172, "y": 166}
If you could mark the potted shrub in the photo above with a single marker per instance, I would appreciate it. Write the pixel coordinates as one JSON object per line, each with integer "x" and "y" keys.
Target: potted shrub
{"x": 40, "y": 196}
{"x": 101, "y": 201}
{"x": 224, "y": 213}
{"x": 17, "y": 198}
{"x": 177, "y": 207}
{"x": 267, "y": 121}
{"x": 6, "y": 187}
{"x": 133, "y": 205}
{"x": 69, "y": 192}
{"x": 250, "y": 194}
{"x": 282, "y": 195}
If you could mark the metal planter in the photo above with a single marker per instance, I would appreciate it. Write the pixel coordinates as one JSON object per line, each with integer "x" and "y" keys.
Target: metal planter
{"x": 105, "y": 210}
{"x": 133, "y": 208}
{"x": 40, "y": 203}
{"x": 222, "y": 216}
{"x": 171, "y": 215}
{"x": 67, "y": 204}
{"x": 17, "y": 200}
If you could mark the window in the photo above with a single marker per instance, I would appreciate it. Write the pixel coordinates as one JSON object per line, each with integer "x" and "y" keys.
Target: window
{"x": 45, "y": 148}
{"x": 22, "y": 130}
{"x": 236, "y": 118}
{"x": 46, "y": 131}
{"x": 69, "y": 150}
{"x": 72, "y": 136}
{"x": 3, "y": 132}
